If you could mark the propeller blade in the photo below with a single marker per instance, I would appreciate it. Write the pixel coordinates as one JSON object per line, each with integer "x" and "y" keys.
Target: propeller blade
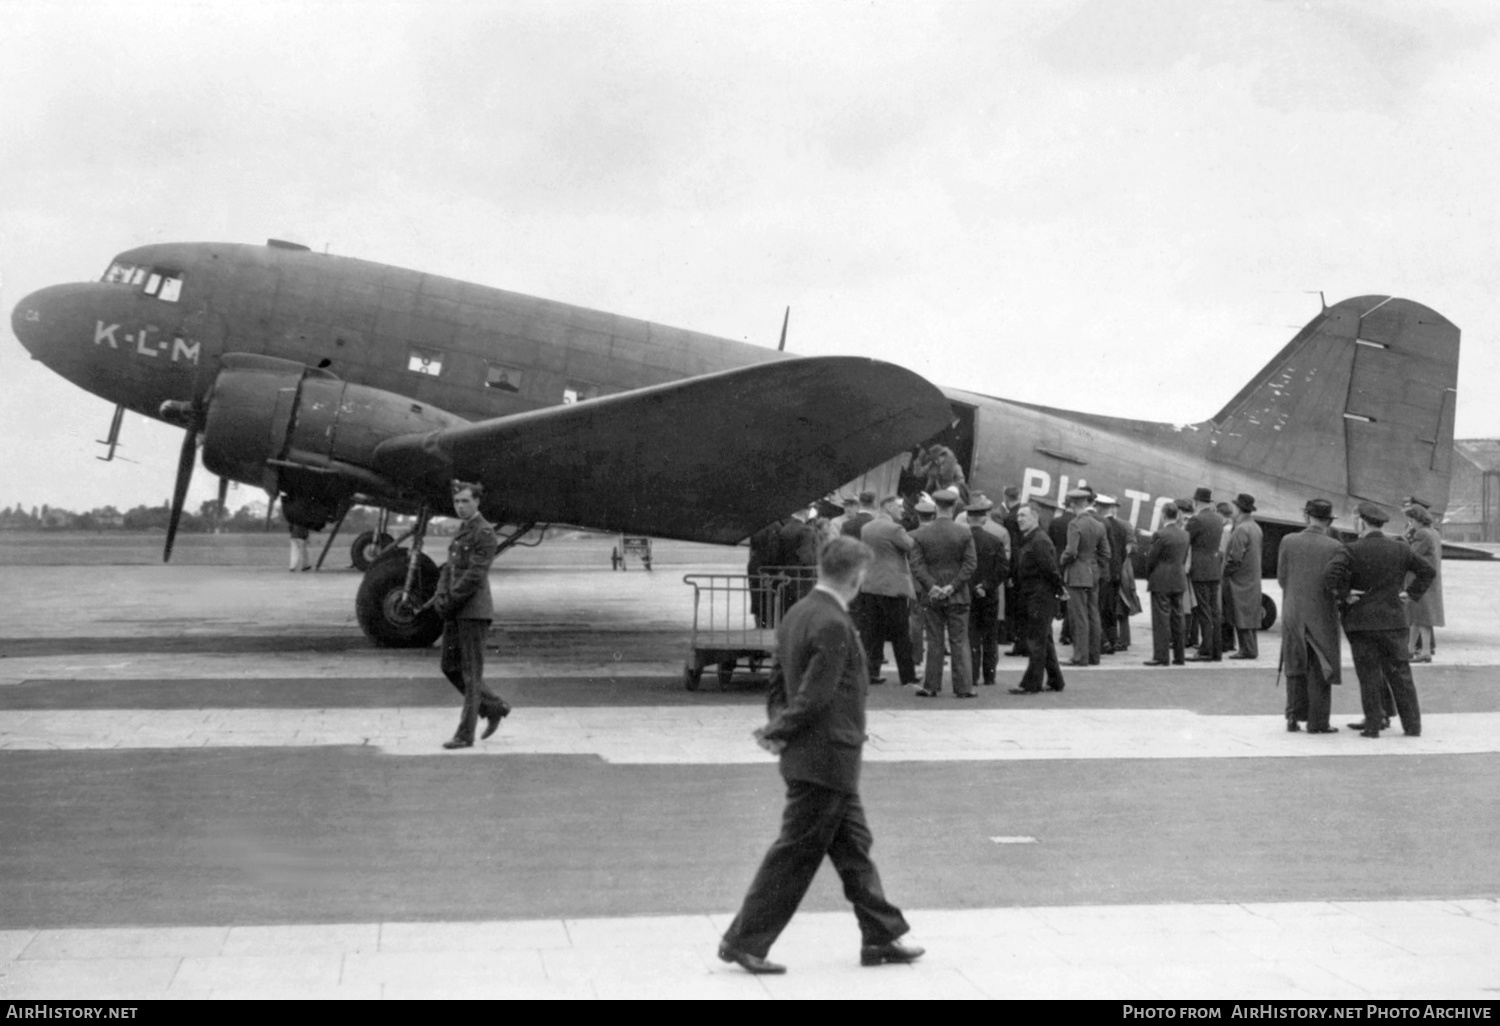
{"x": 223, "y": 495}
{"x": 785, "y": 319}
{"x": 179, "y": 493}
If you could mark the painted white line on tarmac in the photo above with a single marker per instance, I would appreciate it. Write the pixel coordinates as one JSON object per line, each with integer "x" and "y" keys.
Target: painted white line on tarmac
{"x": 1433, "y": 950}
{"x": 685, "y": 735}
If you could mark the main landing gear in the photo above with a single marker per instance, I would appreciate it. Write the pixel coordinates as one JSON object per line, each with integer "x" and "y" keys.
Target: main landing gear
{"x": 392, "y": 603}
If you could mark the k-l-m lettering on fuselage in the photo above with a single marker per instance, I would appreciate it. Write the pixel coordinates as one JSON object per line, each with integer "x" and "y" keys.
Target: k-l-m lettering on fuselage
{"x": 330, "y": 380}
{"x": 181, "y": 348}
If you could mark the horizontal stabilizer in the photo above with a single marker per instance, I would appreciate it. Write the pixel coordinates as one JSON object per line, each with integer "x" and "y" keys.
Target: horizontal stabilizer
{"x": 712, "y": 458}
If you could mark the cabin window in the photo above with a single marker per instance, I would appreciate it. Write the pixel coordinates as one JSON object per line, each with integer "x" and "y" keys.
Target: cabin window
{"x": 578, "y": 391}
{"x": 424, "y": 361}
{"x": 164, "y": 285}
{"x": 503, "y": 378}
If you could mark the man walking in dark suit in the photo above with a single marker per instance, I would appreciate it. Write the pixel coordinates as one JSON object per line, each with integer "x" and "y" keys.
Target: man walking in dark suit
{"x": 984, "y": 593}
{"x": 1205, "y": 535}
{"x": 463, "y": 601}
{"x": 887, "y": 594}
{"x": 942, "y": 562}
{"x": 1165, "y": 582}
{"x": 1310, "y": 648}
{"x": 817, "y": 727}
{"x": 853, "y": 525}
{"x": 1366, "y": 576}
{"x": 1038, "y": 585}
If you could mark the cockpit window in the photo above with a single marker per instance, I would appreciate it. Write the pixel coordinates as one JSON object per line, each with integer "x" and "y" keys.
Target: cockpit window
{"x": 160, "y": 282}
{"x": 124, "y": 274}
{"x": 164, "y": 285}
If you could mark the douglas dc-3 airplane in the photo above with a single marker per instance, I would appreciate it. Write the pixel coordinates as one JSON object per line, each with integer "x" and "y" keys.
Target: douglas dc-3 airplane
{"x": 331, "y": 381}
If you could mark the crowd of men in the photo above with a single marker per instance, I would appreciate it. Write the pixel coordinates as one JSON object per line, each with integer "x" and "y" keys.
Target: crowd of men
{"x": 955, "y": 576}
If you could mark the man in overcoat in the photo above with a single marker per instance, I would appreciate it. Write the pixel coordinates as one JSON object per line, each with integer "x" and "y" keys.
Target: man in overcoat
{"x": 817, "y": 727}
{"x": 1242, "y": 578}
{"x": 1038, "y": 585}
{"x": 1205, "y": 534}
{"x": 942, "y": 562}
{"x": 463, "y": 601}
{"x": 1310, "y": 646}
{"x": 1165, "y": 582}
{"x": 887, "y": 593}
{"x": 1367, "y": 578}
{"x": 1084, "y": 562}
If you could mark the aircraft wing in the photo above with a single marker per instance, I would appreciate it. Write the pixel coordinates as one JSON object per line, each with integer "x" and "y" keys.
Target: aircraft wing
{"x": 711, "y": 458}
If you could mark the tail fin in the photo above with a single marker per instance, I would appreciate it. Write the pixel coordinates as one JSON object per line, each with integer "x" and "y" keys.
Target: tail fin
{"x": 1361, "y": 402}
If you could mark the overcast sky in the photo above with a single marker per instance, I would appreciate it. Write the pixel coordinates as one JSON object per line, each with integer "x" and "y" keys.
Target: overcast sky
{"x": 1124, "y": 206}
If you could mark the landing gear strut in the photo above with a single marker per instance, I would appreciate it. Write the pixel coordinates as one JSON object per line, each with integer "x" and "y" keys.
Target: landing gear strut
{"x": 392, "y": 601}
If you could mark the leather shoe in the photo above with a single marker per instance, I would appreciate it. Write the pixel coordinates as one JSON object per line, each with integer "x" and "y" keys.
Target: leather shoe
{"x": 492, "y": 723}
{"x": 924, "y": 693}
{"x": 1241, "y": 655}
{"x": 968, "y": 694}
{"x": 1179, "y": 662}
{"x": 1382, "y": 725}
{"x": 1054, "y": 687}
{"x": 1323, "y": 730}
{"x": 1291, "y": 726}
{"x": 1369, "y": 733}
{"x": 1025, "y": 691}
{"x": 457, "y": 742}
{"x": 1204, "y": 659}
{"x": 877, "y": 680}
{"x": 748, "y": 962}
{"x": 895, "y": 951}
{"x": 1412, "y": 733}
{"x": 1154, "y": 662}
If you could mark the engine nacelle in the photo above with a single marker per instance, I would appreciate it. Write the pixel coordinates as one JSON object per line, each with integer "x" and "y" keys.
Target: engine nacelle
{"x": 286, "y": 426}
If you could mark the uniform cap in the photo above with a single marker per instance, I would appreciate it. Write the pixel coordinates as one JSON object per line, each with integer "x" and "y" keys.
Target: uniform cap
{"x": 979, "y": 505}
{"x": 1203, "y": 495}
{"x": 1079, "y": 493}
{"x": 947, "y": 496}
{"x": 1372, "y": 514}
{"x": 1412, "y": 500}
{"x": 1245, "y": 502}
{"x": 1322, "y": 509}
{"x": 1106, "y": 500}
{"x": 926, "y": 506}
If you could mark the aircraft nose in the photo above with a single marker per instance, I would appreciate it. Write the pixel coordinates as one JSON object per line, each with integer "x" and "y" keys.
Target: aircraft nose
{"x": 40, "y": 319}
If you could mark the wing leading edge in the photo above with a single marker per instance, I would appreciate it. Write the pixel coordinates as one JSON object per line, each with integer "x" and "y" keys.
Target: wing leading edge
{"x": 710, "y": 458}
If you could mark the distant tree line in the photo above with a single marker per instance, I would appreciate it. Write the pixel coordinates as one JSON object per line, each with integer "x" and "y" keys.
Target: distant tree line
{"x": 207, "y": 519}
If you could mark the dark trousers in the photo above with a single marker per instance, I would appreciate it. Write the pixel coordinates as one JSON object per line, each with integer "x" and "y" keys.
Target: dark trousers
{"x": 1206, "y": 616}
{"x": 952, "y": 620}
{"x": 1083, "y": 620}
{"x": 984, "y": 637}
{"x": 463, "y": 664}
{"x": 1041, "y": 656}
{"x": 816, "y": 822}
{"x": 887, "y": 618}
{"x": 1249, "y": 643}
{"x": 1380, "y": 660}
{"x": 1167, "y": 627}
{"x": 1309, "y": 696}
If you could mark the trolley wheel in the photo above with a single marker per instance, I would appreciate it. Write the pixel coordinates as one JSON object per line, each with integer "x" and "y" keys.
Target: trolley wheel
{"x": 1267, "y": 612}
{"x": 726, "y": 672}
{"x": 691, "y": 676}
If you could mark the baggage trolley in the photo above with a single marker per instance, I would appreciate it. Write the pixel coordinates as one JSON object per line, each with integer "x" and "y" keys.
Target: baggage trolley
{"x": 735, "y": 618}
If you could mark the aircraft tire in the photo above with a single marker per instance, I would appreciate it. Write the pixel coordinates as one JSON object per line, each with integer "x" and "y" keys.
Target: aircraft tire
{"x": 1267, "y": 612}
{"x": 389, "y": 619}
{"x": 364, "y": 549}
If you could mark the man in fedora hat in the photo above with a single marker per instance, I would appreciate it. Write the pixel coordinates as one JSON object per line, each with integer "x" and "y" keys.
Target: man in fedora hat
{"x": 1366, "y": 576}
{"x": 1242, "y": 577}
{"x": 1310, "y": 647}
{"x": 1205, "y": 532}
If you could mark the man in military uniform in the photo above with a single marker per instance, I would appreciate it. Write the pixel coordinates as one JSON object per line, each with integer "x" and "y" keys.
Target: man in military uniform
{"x": 984, "y": 587}
{"x": 1082, "y": 562}
{"x": 463, "y": 601}
{"x": 1310, "y": 647}
{"x": 1366, "y": 576}
{"x": 942, "y": 562}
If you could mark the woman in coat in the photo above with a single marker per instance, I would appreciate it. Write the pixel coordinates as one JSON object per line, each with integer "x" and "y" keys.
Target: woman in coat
{"x": 1427, "y": 612}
